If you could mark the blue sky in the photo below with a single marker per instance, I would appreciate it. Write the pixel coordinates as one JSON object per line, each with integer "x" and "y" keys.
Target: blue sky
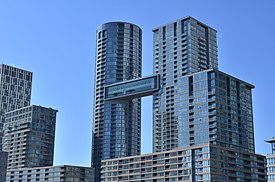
{"x": 56, "y": 41}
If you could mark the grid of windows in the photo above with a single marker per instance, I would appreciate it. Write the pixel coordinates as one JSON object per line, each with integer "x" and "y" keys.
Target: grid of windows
{"x": 181, "y": 48}
{"x": 195, "y": 105}
{"x": 214, "y": 108}
{"x": 200, "y": 163}
{"x": 52, "y": 173}
{"x": 271, "y": 161}
{"x": 29, "y": 134}
{"x": 15, "y": 91}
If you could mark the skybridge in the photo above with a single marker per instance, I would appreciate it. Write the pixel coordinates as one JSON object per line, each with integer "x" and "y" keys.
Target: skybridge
{"x": 132, "y": 89}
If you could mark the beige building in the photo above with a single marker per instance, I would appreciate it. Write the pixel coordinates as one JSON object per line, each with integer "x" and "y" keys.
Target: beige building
{"x": 199, "y": 163}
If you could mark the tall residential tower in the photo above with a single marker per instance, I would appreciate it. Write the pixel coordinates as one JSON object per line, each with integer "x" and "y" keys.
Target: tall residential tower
{"x": 181, "y": 48}
{"x": 195, "y": 106}
{"x": 116, "y": 126}
{"x": 15, "y": 91}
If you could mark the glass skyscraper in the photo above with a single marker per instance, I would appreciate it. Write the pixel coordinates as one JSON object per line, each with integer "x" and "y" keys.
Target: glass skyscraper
{"x": 116, "y": 126}
{"x": 214, "y": 108}
{"x": 196, "y": 103}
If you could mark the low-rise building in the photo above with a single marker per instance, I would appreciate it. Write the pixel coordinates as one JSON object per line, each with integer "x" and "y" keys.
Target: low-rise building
{"x": 199, "y": 163}
{"x": 60, "y": 173}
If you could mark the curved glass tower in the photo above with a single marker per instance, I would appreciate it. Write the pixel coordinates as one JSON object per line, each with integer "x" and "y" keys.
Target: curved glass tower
{"x": 116, "y": 126}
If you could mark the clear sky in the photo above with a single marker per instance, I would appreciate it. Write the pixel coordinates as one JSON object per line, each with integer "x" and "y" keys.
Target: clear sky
{"x": 55, "y": 39}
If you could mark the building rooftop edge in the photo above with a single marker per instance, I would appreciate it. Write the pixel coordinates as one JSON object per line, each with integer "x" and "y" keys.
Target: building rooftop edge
{"x": 217, "y": 70}
{"x": 110, "y": 22}
{"x": 2, "y": 64}
{"x": 32, "y": 106}
{"x": 184, "y": 18}
{"x": 253, "y": 86}
{"x": 271, "y": 140}
{"x": 180, "y": 149}
{"x": 44, "y": 167}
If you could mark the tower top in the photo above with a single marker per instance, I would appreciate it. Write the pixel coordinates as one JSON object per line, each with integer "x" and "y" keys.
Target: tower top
{"x": 183, "y": 19}
{"x": 272, "y": 142}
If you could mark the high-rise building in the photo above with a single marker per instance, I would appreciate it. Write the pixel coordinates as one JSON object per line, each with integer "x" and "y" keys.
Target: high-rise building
{"x": 211, "y": 107}
{"x": 182, "y": 47}
{"x": 116, "y": 126}
{"x": 271, "y": 161}
{"x": 196, "y": 105}
{"x": 29, "y": 134}
{"x": 205, "y": 107}
{"x": 15, "y": 91}
{"x": 215, "y": 138}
